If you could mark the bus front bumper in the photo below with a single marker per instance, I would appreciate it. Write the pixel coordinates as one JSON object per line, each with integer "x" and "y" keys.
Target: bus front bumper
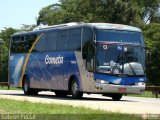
{"x": 123, "y": 89}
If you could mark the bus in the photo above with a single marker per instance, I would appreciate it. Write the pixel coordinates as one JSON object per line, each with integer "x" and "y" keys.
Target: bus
{"x": 76, "y": 58}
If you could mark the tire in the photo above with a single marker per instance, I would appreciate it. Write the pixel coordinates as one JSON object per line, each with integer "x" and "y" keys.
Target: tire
{"x": 27, "y": 90}
{"x": 74, "y": 90}
{"x": 116, "y": 97}
{"x": 61, "y": 93}
{"x": 34, "y": 92}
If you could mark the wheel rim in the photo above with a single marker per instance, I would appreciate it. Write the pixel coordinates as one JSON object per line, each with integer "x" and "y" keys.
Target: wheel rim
{"x": 74, "y": 88}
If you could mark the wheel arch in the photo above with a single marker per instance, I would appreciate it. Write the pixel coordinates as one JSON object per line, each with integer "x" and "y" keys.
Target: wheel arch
{"x": 73, "y": 77}
{"x": 24, "y": 77}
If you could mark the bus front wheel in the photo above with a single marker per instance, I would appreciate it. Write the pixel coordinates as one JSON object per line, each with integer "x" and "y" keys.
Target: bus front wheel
{"x": 74, "y": 90}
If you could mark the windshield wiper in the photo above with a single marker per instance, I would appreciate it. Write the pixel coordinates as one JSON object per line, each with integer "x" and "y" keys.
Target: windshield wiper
{"x": 132, "y": 68}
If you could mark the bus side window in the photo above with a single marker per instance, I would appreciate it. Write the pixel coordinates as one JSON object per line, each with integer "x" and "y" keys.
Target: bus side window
{"x": 31, "y": 38}
{"x": 13, "y": 45}
{"x": 40, "y": 45}
{"x": 75, "y": 39}
{"x": 63, "y": 38}
{"x": 22, "y": 45}
{"x": 51, "y": 41}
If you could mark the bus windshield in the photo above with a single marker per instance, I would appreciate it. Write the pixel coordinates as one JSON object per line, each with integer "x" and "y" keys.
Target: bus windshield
{"x": 120, "y": 59}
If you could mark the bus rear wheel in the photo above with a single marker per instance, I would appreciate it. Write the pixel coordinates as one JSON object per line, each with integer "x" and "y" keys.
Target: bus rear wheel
{"x": 74, "y": 90}
{"x": 27, "y": 90}
{"x": 116, "y": 97}
{"x": 61, "y": 93}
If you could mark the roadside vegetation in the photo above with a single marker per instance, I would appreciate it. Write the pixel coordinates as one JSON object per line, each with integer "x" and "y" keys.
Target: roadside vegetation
{"x": 146, "y": 94}
{"x": 54, "y": 111}
{"x": 10, "y": 88}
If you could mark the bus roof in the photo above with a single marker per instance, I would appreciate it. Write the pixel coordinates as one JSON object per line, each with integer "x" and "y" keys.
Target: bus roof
{"x": 115, "y": 26}
{"x": 109, "y": 26}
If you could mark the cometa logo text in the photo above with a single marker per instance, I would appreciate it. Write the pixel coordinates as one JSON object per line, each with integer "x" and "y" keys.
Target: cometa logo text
{"x": 53, "y": 60}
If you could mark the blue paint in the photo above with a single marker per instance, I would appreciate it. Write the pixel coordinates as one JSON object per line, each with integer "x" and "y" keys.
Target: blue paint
{"x": 123, "y": 80}
{"x": 42, "y": 75}
{"x": 119, "y": 48}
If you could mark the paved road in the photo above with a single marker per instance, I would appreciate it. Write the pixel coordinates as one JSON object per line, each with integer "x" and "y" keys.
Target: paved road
{"x": 130, "y": 105}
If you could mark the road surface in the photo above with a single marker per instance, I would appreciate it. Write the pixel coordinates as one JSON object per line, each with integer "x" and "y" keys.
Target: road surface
{"x": 129, "y": 105}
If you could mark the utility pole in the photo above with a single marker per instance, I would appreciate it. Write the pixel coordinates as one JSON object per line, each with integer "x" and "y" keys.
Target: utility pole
{"x": 1, "y": 42}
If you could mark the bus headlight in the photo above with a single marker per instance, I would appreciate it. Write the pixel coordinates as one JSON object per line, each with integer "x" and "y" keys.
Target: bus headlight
{"x": 140, "y": 83}
{"x": 102, "y": 81}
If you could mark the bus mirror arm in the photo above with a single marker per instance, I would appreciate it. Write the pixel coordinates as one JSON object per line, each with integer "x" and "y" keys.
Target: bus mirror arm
{"x": 148, "y": 56}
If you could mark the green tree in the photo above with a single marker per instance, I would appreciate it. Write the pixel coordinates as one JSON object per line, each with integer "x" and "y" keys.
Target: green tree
{"x": 50, "y": 15}
{"x": 156, "y": 18}
{"x": 150, "y": 8}
{"x": 26, "y": 28}
{"x": 115, "y": 11}
{"x": 132, "y": 12}
{"x": 6, "y": 36}
{"x": 152, "y": 39}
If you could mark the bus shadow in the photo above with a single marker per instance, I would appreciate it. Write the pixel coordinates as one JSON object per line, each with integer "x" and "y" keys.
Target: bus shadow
{"x": 69, "y": 98}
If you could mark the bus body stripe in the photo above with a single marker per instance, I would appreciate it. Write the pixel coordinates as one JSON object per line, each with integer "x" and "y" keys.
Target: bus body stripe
{"x": 27, "y": 58}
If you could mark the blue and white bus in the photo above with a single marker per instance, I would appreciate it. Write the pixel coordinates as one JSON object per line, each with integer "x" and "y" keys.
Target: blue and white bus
{"x": 77, "y": 58}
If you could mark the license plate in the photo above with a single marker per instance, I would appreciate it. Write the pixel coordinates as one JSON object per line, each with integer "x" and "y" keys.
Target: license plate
{"x": 121, "y": 89}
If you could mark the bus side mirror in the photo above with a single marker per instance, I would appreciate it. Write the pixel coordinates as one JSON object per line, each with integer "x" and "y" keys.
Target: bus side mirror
{"x": 148, "y": 57}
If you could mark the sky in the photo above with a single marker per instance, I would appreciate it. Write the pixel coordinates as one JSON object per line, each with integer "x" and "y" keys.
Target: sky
{"x": 15, "y": 13}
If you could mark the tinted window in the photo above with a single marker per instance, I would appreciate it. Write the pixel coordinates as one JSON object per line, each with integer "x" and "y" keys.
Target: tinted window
{"x": 63, "y": 38}
{"x": 51, "y": 41}
{"x": 119, "y": 36}
{"x": 40, "y": 45}
{"x": 31, "y": 38}
{"x": 14, "y": 44}
{"x": 19, "y": 44}
{"x": 87, "y": 35}
{"x": 87, "y": 38}
{"x": 89, "y": 57}
{"x": 75, "y": 39}
{"x": 22, "y": 44}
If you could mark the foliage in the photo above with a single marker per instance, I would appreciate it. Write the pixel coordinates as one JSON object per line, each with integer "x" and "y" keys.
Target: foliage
{"x": 115, "y": 11}
{"x": 152, "y": 39}
{"x": 50, "y": 15}
{"x": 27, "y": 27}
{"x": 5, "y": 35}
{"x": 132, "y": 12}
{"x": 156, "y": 18}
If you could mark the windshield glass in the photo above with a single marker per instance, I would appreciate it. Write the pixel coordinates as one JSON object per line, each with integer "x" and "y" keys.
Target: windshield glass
{"x": 120, "y": 59}
{"x": 119, "y": 36}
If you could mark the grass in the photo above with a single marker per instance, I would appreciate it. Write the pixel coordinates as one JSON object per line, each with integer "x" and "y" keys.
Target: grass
{"x": 146, "y": 94}
{"x": 60, "y": 112}
{"x": 10, "y": 88}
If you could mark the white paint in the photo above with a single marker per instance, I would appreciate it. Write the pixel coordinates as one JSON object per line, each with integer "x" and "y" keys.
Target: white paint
{"x": 53, "y": 60}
